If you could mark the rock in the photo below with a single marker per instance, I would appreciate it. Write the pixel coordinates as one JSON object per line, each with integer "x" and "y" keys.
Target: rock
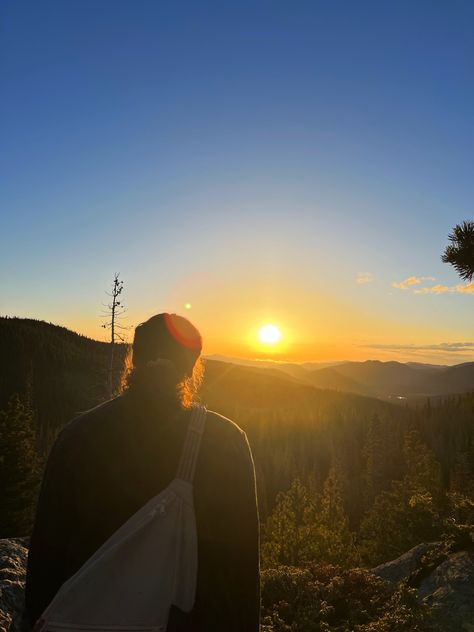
{"x": 449, "y": 589}
{"x": 447, "y": 586}
{"x": 13, "y": 556}
{"x": 405, "y": 565}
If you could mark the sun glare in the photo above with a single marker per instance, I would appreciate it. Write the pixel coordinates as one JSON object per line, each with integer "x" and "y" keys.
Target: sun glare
{"x": 269, "y": 334}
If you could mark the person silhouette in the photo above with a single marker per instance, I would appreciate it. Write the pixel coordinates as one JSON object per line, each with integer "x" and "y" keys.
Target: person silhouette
{"x": 109, "y": 461}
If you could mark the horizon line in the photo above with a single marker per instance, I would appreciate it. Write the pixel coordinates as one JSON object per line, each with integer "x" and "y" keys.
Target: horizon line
{"x": 269, "y": 360}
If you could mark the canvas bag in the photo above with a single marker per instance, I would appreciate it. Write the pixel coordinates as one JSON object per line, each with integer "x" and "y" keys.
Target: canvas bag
{"x": 147, "y": 565}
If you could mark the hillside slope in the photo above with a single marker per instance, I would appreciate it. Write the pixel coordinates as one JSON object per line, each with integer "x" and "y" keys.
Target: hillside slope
{"x": 392, "y": 379}
{"x": 230, "y": 387}
{"x": 59, "y": 371}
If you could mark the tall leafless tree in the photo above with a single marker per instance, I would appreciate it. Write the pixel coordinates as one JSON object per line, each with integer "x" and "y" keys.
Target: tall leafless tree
{"x": 114, "y": 313}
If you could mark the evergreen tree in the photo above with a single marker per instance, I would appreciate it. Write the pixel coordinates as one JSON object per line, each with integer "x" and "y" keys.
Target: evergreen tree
{"x": 303, "y": 528}
{"x": 288, "y": 533}
{"x": 460, "y": 252}
{"x": 423, "y": 470}
{"x": 374, "y": 457}
{"x": 407, "y": 514}
{"x": 461, "y": 493}
{"x": 19, "y": 469}
{"x": 333, "y": 537}
{"x": 462, "y": 476}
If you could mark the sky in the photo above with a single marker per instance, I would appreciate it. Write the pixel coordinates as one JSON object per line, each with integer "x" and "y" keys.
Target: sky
{"x": 242, "y": 163}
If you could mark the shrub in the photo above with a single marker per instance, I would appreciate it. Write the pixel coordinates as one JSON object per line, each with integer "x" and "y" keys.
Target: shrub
{"x": 331, "y": 599}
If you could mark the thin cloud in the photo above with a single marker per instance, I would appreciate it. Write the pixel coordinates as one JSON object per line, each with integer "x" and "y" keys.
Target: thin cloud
{"x": 410, "y": 281}
{"x": 435, "y": 289}
{"x": 465, "y": 289}
{"x": 443, "y": 347}
{"x": 363, "y": 279}
{"x": 442, "y": 289}
{"x": 439, "y": 288}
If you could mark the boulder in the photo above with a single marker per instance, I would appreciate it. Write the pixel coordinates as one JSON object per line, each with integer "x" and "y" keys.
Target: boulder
{"x": 449, "y": 589}
{"x": 445, "y": 583}
{"x": 13, "y": 556}
{"x": 405, "y": 565}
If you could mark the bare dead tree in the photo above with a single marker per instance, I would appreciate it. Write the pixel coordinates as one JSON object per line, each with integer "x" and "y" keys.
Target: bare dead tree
{"x": 114, "y": 312}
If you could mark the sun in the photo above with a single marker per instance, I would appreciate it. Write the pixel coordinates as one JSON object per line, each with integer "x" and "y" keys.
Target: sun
{"x": 269, "y": 334}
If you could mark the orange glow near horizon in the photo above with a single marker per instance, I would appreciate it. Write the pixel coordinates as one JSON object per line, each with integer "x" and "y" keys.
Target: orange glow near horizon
{"x": 316, "y": 323}
{"x": 299, "y": 342}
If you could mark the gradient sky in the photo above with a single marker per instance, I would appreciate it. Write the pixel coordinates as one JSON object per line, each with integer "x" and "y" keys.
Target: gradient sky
{"x": 265, "y": 161}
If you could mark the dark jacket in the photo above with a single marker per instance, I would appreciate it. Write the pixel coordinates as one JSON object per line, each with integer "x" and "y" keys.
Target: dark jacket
{"x": 107, "y": 463}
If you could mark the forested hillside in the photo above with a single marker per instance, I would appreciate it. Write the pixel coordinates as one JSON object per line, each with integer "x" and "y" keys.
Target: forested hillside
{"x": 56, "y": 371}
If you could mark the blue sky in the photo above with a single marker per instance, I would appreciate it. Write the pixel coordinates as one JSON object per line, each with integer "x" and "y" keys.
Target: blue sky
{"x": 252, "y": 158}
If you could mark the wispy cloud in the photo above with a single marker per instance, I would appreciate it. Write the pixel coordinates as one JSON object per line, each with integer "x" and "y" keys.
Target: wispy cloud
{"x": 410, "y": 281}
{"x": 443, "y": 347}
{"x": 364, "y": 278}
{"x": 465, "y": 289}
{"x": 442, "y": 289}
{"x": 442, "y": 353}
{"x": 434, "y": 289}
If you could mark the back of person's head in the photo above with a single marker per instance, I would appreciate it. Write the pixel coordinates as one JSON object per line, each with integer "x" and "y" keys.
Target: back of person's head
{"x": 165, "y": 354}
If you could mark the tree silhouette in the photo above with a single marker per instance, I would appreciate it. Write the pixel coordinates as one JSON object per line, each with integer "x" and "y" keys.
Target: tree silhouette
{"x": 460, "y": 252}
{"x": 115, "y": 310}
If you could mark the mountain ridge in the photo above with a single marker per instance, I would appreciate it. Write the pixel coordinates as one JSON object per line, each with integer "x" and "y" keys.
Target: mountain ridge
{"x": 27, "y": 344}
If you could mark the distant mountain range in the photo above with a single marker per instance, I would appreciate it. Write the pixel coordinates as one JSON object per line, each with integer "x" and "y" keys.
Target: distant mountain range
{"x": 387, "y": 380}
{"x": 62, "y": 372}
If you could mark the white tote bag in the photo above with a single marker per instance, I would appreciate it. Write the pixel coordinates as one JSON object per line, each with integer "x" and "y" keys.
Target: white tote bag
{"x": 145, "y": 567}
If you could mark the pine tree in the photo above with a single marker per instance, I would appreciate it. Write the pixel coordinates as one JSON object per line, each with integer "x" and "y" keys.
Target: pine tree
{"x": 423, "y": 470}
{"x": 19, "y": 469}
{"x": 462, "y": 476}
{"x": 335, "y": 541}
{"x": 461, "y": 492}
{"x": 373, "y": 454}
{"x": 289, "y": 530}
{"x": 303, "y": 528}
{"x": 460, "y": 252}
{"x": 410, "y": 512}
{"x": 382, "y": 459}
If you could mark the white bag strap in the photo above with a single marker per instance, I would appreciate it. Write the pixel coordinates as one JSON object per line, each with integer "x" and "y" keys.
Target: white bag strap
{"x": 192, "y": 443}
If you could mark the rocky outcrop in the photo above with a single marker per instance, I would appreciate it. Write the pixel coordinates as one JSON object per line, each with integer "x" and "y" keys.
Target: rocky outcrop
{"x": 449, "y": 589}
{"x": 444, "y": 582}
{"x": 13, "y": 555}
{"x": 405, "y": 565}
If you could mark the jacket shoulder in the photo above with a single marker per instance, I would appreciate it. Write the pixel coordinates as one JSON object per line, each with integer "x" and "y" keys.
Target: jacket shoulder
{"x": 90, "y": 423}
{"x": 226, "y": 436}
